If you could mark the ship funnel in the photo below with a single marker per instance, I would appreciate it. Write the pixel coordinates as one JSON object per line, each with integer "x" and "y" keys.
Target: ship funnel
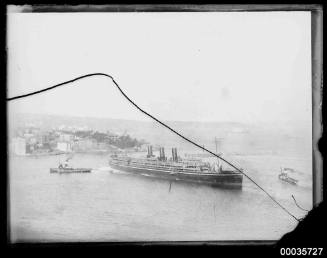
{"x": 150, "y": 153}
{"x": 162, "y": 154}
{"x": 174, "y": 154}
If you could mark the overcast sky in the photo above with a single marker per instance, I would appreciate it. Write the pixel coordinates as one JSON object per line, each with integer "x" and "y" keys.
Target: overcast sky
{"x": 245, "y": 67}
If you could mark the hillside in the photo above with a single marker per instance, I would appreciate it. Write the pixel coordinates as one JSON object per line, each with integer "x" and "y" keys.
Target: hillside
{"x": 234, "y": 137}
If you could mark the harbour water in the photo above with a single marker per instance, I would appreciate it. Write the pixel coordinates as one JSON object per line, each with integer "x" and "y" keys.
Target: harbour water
{"x": 110, "y": 205}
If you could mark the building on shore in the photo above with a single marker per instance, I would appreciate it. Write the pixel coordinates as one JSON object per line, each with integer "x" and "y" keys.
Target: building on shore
{"x": 85, "y": 145}
{"x": 66, "y": 137}
{"x": 19, "y": 146}
{"x": 112, "y": 137}
{"x": 64, "y": 146}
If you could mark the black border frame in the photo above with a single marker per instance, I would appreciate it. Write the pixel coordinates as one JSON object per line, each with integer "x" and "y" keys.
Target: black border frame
{"x": 317, "y": 75}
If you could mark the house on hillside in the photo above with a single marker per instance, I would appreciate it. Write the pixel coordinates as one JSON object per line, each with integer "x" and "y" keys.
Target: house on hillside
{"x": 65, "y": 146}
{"x": 85, "y": 144}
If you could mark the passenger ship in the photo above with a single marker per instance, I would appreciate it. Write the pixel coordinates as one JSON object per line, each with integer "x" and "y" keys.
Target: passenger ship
{"x": 177, "y": 169}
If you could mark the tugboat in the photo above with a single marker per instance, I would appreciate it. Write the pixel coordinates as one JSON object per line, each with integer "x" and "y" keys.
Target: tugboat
{"x": 285, "y": 176}
{"x": 67, "y": 169}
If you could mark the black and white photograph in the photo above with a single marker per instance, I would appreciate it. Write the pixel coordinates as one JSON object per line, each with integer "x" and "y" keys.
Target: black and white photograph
{"x": 150, "y": 126}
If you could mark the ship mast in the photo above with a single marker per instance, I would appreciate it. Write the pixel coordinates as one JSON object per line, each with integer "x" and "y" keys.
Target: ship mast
{"x": 216, "y": 143}
{"x": 217, "y": 140}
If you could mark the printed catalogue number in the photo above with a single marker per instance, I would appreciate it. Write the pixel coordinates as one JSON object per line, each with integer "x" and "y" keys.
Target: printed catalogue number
{"x": 301, "y": 251}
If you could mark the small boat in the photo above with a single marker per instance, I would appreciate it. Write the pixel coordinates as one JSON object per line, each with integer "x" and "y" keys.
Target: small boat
{"x": 70, "y": 170}
{"x": 67, "y": 169}
{"x": 284, "y": 175}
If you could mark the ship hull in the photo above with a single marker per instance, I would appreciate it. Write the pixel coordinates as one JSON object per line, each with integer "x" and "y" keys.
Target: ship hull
{"x": 72, "y": 170}
{"x": 226, "y": 180}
